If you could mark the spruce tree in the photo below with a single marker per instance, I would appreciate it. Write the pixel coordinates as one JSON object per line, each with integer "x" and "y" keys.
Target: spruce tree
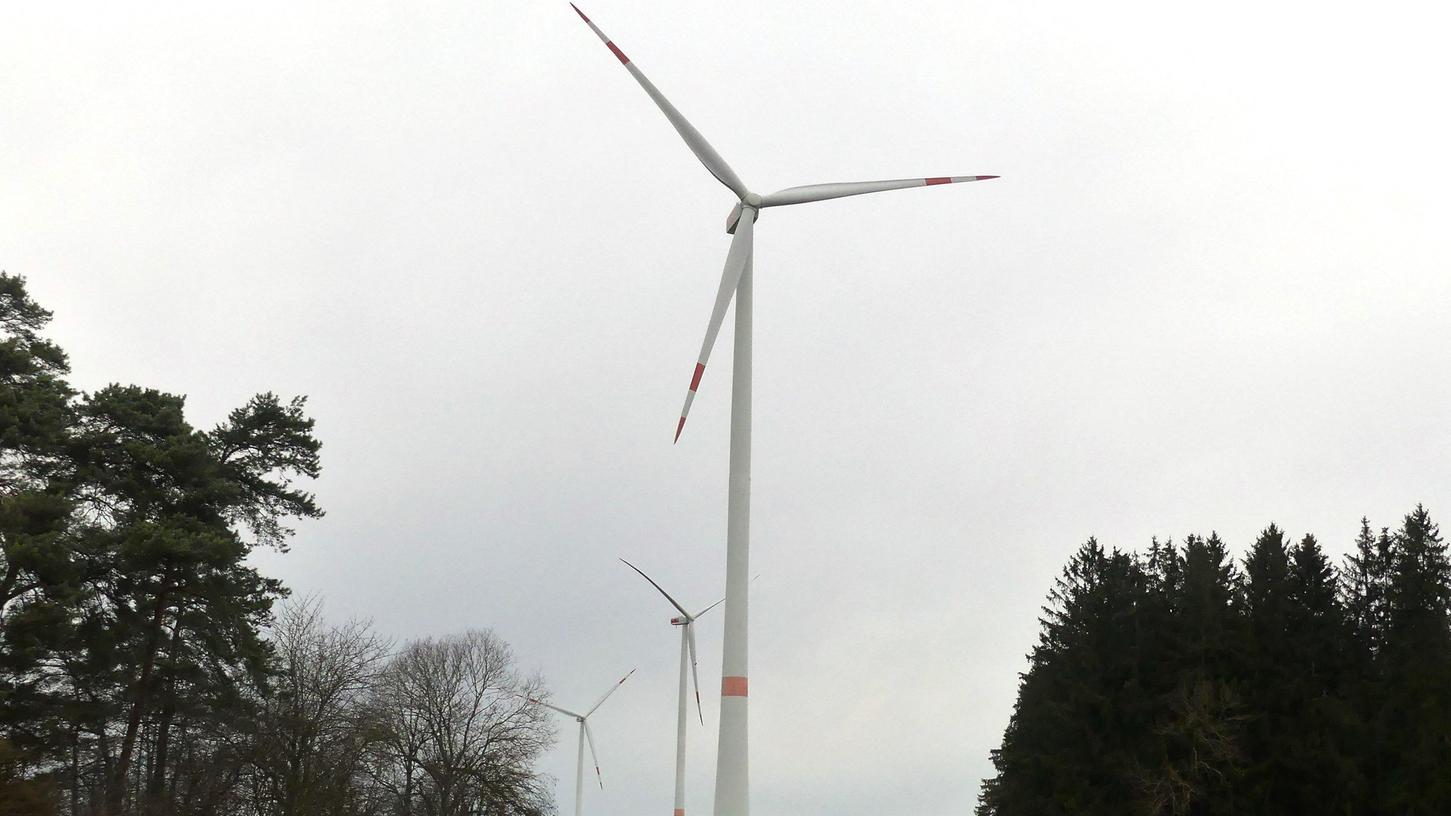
{"x": 1365, "y": 583}
{"x": 1413, "y": 725}
{"x": 1322, "y": 728}
{"x": 1266, "y": 676}
{"x": 1200, "y": 716}
{"x": 1072, "y": 742}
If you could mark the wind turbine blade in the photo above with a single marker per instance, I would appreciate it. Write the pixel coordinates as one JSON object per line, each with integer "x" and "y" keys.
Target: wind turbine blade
{"x": 821, "y": 192}
{"x": 735, "y": 266}
{"x": 708, "y": 608}
{"x": 672, "y": 601}
{"x": 601, "y": 702}
{"x": 589, "y": 738}
{"x": 554, "y": 707}
{"x": 696, "y": 142}
{"x": 690, "y": 639}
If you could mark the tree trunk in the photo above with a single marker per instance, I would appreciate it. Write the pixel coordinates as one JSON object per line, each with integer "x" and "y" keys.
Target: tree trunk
{"x": 157, "y": 783}
{"x": 115, "y": 793}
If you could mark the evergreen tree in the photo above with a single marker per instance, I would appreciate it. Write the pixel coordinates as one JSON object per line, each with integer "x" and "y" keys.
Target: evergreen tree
{"x": 35, "y": 422}
{"x": 1267, "y": 676}
{"x": 1200, "y": 717}
{"x": 1413, "y": 725}
{"x": 1324, "y": 729}
{"x": 1365, "y": 585}
{"x": 1073, "y": 741}
{"x": 127, "y": 608}
{"x": 41, "y": 569}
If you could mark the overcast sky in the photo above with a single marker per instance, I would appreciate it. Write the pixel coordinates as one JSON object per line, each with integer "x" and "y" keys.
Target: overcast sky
{"x": 1209, "y": 292}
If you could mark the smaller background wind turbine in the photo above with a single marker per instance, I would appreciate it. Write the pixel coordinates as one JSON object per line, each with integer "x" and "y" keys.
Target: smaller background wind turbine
{"x": 686, "y": 622}
{"x": 585, "y": 736}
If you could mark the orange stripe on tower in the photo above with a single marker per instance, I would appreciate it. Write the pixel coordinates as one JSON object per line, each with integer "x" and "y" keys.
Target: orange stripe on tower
{"x": 680, "y": 812}
{"x": 942, "y": 180}
{"x": 733, "y": 687}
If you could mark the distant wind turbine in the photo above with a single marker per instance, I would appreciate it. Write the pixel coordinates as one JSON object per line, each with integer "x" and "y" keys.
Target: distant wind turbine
{"x": 686, "y": 622}
{"x": 732, "y": 779}
{"x": 585, "y": 736}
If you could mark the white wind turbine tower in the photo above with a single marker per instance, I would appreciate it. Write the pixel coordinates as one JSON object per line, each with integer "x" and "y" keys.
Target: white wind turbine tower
{"x": 732, "y": 780}
{"x": 585, "y": 736}
{"x": 686, "y": 622}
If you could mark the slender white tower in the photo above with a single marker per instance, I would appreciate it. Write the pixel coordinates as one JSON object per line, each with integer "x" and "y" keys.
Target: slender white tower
{"x": 732, "y": 765}
{"x": 686, "y": 622}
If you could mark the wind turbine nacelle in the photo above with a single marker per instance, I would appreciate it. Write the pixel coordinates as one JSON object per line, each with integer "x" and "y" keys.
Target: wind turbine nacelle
{"x": 752, "y": 201}
{"x": 733, "y": 219}
{"x": 678, "y": 621}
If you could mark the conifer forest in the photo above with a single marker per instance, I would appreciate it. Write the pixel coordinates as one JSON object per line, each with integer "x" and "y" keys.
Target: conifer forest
{"x": 1183, "y": 680}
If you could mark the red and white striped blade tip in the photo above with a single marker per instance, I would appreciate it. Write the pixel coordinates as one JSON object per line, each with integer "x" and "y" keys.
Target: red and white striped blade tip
{"x": 694, "y": 386}
{"x": 951, "y": 179}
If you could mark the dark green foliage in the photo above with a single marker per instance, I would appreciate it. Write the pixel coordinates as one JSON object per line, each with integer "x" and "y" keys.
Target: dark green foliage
{"x": 127, "y": 610}
{"x": 1081, "y": 698}
{"x": 22, "y": 794}
{"x": 1413, "y": 724}
{"x": 1176, "y": 684}
{"x": 136, "y": 674}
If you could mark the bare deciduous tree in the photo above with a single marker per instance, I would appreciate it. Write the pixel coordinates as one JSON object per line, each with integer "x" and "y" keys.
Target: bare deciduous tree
{"x": 317, "y": 723}
{"x": 459, "y": 736}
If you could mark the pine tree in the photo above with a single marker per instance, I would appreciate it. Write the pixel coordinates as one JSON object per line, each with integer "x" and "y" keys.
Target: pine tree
{"x": 35, "y": 423}
{"x": 127, "y": 608}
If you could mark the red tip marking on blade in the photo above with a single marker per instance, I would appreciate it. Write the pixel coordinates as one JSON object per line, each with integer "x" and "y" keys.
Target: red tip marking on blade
{"x": 679, "y": 428}
{"x": 624, "y": 60}
{"x": 733, "y": 687}
{"x": 580, "y": 13}
{"x": 985, "y": 178}
{"x": 695, "y": 380}
{"x": 942, "y": 180}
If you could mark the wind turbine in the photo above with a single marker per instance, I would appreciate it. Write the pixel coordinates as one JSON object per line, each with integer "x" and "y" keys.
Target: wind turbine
{"x": 686, "y": 622}
{"x": 585, "y": 736}
{"x": 732, "y": 779}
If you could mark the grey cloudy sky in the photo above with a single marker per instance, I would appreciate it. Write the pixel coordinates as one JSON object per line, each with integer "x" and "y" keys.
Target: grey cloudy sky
{"x": 1209, "y": 292}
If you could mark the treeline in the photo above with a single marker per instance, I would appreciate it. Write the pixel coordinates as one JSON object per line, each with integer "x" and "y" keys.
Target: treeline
{"x": 1181, "y": 682}
{"x": 142, "y": 669}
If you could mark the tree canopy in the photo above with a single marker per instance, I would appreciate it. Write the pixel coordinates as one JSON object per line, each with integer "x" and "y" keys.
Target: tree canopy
{"x": 142, "y": 668}
{"x": 1181, "y": 682}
